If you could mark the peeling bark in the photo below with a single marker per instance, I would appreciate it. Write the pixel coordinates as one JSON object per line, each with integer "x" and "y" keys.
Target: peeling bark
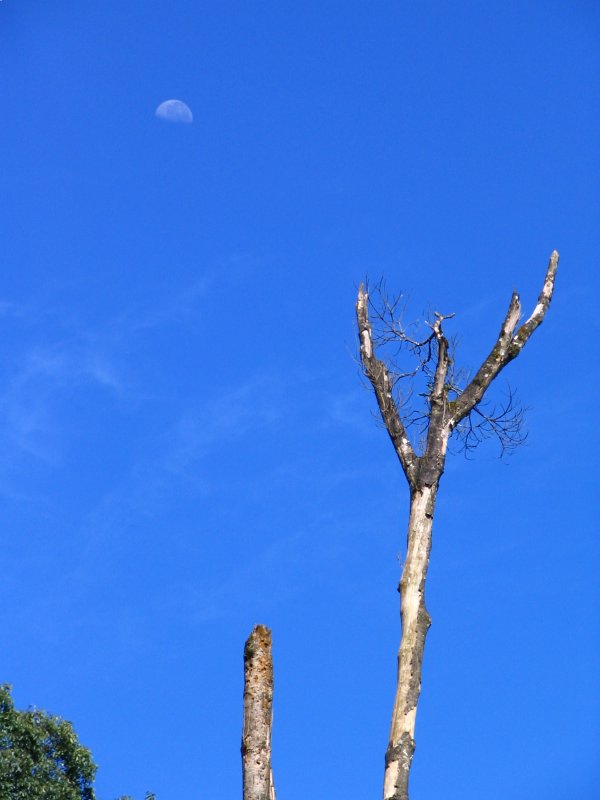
{"x": 257, "y": 774}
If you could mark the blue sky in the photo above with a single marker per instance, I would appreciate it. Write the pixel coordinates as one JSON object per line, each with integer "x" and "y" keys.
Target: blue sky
{"x": 187, "y": 448}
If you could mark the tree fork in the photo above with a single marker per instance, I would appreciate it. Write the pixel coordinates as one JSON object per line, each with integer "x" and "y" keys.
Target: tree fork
{"x": 257, "y": 775}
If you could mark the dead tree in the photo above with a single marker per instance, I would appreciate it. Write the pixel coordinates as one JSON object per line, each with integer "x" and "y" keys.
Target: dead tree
{"x": 257, "y": 775}
{"x": 450, "y": 409}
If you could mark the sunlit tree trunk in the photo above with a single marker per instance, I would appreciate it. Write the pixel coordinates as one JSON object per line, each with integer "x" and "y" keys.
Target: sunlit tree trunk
{"x": 257, "y": 774}
{"x": 415, "y": 624}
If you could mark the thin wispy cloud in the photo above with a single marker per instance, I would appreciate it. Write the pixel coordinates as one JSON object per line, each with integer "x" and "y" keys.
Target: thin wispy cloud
{"x": 228, "y": 416}
{"x": 178, "y": 308}
{"x": 31, "y": 395}
{"x": 348, "y": 409}
{"x": 279, "y": 571}
{"x": 14, "y": 310}
{"x": 174, "y": 458}
{"x": 56, "y": 356}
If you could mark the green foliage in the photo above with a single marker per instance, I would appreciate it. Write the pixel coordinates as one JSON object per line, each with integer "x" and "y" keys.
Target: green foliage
{"x": 40, "y": 756}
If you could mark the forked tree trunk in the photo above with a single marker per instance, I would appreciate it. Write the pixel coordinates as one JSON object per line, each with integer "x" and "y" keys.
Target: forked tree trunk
{"x": 423, "y": 473}
{"x": 257, "y": 775}
{"x": 415, "y": 624}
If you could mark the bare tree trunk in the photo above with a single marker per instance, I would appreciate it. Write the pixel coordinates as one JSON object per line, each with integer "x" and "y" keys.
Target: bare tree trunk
{"x": 258, "y": 716}
{"x": 415, "y": 624}
{"x": 444, "y": 416}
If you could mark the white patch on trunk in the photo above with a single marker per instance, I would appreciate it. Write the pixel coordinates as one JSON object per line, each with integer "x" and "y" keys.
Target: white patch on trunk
{"x": 411, "y": 584}
{"x": 366, "y": 343}
{"x": 390, "y": 779}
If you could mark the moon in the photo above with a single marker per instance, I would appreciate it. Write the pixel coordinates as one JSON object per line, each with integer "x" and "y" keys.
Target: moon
{"x": 175, "y": 111}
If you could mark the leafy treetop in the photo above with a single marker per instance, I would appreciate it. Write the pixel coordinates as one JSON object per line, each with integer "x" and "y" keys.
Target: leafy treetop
{"x": 41, "y": 757}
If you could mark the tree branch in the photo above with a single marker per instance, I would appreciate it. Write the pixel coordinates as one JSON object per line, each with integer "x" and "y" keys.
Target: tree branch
{"x": 431, "y": 463}
{"x": 537, "y": 316}
{"x": 508, "y": 346}
{"x": 258, "y": 716}
{"x": 378, "y": 373}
